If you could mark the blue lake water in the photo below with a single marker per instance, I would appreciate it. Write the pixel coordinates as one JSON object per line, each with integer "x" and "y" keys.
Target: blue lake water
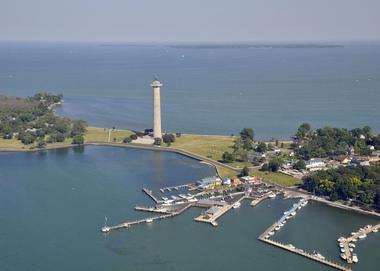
{"x": 52, "y": 205}
{"x": 209, "y": 91}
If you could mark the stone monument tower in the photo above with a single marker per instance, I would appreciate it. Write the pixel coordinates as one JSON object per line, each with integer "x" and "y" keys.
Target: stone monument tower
{"x": 156, "y": 85}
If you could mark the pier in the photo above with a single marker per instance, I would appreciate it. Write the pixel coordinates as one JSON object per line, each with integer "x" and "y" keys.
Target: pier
{"x": 315, "y": 257}
{"x": 144, "y": 220}
{"x": 265, "y": 237}
{"x": 216, "y": 211}
{"x": 150, "y": 194}
{"x": 362, "y": 233}
{"x": 177, "y": 187}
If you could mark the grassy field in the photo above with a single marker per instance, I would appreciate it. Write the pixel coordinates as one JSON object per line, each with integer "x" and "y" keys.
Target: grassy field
{"x": 276, "y": 177}
{"x": 11, "y": 144}
{"x": 95, "y": 134}
{"x": 212, "y": 147}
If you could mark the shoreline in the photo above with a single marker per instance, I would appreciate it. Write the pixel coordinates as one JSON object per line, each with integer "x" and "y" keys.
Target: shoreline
{"x": 215, "y": 164}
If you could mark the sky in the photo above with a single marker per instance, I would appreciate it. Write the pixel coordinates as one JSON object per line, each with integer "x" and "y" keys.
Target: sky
{"x": 189, "y": 20}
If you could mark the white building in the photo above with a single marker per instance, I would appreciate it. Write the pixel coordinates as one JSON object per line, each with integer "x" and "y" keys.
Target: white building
{"x": 315, "y": 164}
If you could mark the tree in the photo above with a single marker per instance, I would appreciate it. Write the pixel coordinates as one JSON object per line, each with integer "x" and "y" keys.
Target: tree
{"x": 274, "y": 164}
{"x": 127, "y": 140}
{"x": 41, "y": 144}
{"x": 247, "y": 133}
{"x": 303, "y": 131}
{"x": 299, "y": 165}
{"x": 228, "y": 157}
{"x": 168, "y": 138}
{"x": 78, "y": 128}
{"x": 78, "y": 140}
{"x": 244, "y": 172}
{"x": 261, "y": 147}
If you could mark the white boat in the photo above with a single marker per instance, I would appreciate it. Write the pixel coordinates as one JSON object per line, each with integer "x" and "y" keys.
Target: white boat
{"x": 362, "y": 236}
{"x": 343, "y": 256}
{"x": 182, "y": 196}
{"x": 272, "y": 195}
{"x": 293, "y": 213}
{"x": 303, "y": 204}
{"x": 285, "y": 213}
{"x": 351, "y": 245}
{"x": 340, "y": 239}
{"x": 375, "y": 230}
{"x": 353, "y": 233}
{"x": 277, "y": 228}
{"x": 319, "y": 255}
{"x": 341, "y": 245}
{"x": 165, "y": 198}
{"x": 351, "y": 249}
{"x": 342, "y": 250}
{"x": 149, "y": 220}
{"x": 271, "y": 233}
{"x": 236, "y": 205}
{"x": 105, "y": 229}
{"x": 355, "y": 258}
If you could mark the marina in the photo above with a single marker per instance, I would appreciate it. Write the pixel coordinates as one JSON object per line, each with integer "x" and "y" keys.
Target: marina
{"x": 347, "y": 245}
{"x": 269, "y": 232}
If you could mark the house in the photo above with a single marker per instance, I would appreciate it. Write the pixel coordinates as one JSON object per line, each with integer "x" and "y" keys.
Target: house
{"x": 249, "y": 179}
{"x": 226, "y": 180}
{"x": 209, "y": 182}
{"x": 315, "y": 164}
{"x": 360, "y": 161}
{"x": 343, "y": 159}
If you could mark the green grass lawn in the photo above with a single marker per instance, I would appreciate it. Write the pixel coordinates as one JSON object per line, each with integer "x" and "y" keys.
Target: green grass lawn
{"x": 95, "y": 134}
{"x": 12, "y": 144}
{"x": 212, "y": 147}
{"x": 276, "y": 177}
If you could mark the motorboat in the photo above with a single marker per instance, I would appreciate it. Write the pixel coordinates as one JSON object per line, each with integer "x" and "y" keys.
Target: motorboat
{"x": 149, "y": 220}
{"x": 343, "y": 256}
{"x": 236, "y": 205}
{"x": 355, "y": 258}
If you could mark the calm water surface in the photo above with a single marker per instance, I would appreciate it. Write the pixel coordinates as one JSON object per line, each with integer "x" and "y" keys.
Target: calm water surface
{"x": 53, "y": 203}
{"x": 205, "y": 90}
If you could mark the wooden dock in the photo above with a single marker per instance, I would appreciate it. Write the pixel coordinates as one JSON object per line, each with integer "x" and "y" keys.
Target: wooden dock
{"x": 353, "y": 238}
{"x": 150, "y": 194}
{"x": 260, "y": 199}
{"x": 221, "y": 210}
{"x": 265, "y": 237}
{"x": 144, "y": 220}
{"x": 313, "y": 257}
{"x": 177, "y": 187}
{"x": 152, "y": 209}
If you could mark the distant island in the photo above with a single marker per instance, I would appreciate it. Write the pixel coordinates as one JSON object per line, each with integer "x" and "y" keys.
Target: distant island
{"x": 258, "y": 46}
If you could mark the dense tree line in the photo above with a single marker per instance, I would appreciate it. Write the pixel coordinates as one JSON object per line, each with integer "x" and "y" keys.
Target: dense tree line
{"x": 241, "y": 148}
{"x": 32, "y": 120}
{"x": 328, "y": 141}
{"x": 360, "y": 184}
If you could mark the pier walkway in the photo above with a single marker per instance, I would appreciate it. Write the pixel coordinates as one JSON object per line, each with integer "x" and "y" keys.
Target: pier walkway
{"x": 216, "y": 212}
{"x": 150, "y": 194}
{"x": 144, "y": 220}
{"x": 314, "y": 257}
{"x": 362, "y": 233}
{"x": 265, "y": 237}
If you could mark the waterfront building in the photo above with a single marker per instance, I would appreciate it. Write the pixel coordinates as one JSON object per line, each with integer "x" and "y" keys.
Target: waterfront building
{"x": 156, "y": 85}
{"x": 315, "y": 164}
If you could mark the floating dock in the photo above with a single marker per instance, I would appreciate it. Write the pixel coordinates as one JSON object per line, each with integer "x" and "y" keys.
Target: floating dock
{"x": 215, "y": 212}
{"x": 144, "y": 220}
{"x": 354, "y": 237}
{"x": 150, "y": 194}
{"x": 314, "y": 257}
{"x": 264, "y": 237}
